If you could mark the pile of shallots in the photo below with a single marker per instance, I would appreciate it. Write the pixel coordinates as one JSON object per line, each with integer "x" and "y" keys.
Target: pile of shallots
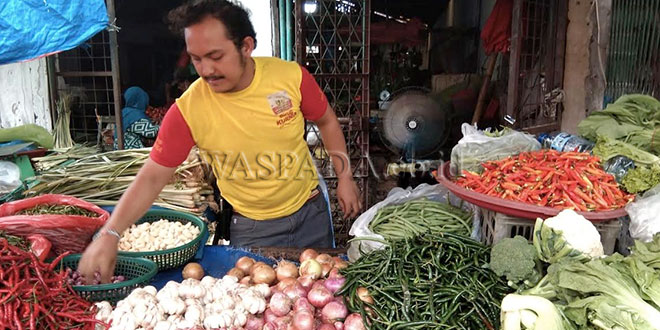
{"x": 301, "y": 298}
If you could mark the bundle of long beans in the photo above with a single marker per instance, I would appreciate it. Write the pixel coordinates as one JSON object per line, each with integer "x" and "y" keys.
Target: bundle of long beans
{"x": 102, "y": 179}
{"x": 427, "y": 282}
{"x": 416, "y": 217}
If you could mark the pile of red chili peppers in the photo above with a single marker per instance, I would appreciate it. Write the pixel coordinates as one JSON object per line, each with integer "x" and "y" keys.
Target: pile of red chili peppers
{"x": 34, "y": 296}
{"x": 571, "y": 180}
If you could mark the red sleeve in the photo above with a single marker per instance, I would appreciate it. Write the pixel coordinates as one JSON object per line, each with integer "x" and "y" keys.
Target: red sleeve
{"x": 174, "y": 139}
{"x": 313, "y": 103}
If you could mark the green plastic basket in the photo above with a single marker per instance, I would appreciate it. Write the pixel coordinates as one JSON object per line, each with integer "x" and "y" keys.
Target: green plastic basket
{"x": 137, "y": 271}
{"x": 178, "y": 256}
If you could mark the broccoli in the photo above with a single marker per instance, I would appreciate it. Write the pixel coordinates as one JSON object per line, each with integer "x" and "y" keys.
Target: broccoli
{"x": 516, "y": 259}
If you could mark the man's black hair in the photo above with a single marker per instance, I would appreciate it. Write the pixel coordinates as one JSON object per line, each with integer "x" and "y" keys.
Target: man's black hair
{"x": 235, "y": 18}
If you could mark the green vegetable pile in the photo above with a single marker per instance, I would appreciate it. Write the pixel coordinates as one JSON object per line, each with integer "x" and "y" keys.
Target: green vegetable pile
{"x": 583, "y": 292}
{"x": 642, "y": 178}
{"x": 57, "y": 209}
{"x": 634, "y": 119}
{"x": 428, "y": 282}
{"x": 420, "y": 216}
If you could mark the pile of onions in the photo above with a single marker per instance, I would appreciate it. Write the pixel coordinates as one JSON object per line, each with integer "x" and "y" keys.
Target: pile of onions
{"x": 302, "y": 298}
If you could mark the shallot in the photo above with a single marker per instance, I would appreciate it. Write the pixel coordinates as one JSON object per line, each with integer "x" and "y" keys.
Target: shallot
{"x": 354, "y": 322}
{"x": 308, "y": 254}
{"x": 334, "y": 284}
{"x": 333, "y": 311}
{"x": 319, "y": 296}
{"x": 303, "y": 320}
{"x": 280, "y": 304}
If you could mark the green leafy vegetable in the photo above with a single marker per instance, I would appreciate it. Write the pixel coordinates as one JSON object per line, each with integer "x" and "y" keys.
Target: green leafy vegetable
{"x": 634, "y": 119}
{"x": 607, "y": 148}
{"x": 641, "y": 178}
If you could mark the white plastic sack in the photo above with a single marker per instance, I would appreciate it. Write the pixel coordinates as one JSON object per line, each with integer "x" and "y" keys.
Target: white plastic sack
{"x": 644, "y": 220}
{"x": 10, "y": 175}
{"x": 437, "y": 192}
{"x": 476, "y": 147}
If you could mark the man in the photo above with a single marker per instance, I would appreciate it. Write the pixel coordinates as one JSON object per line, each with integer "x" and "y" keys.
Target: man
{"x": 246, "y": 115}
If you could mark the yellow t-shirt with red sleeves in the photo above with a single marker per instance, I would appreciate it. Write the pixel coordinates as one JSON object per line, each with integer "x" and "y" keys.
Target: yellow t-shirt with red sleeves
{"x": 254, "y": 138}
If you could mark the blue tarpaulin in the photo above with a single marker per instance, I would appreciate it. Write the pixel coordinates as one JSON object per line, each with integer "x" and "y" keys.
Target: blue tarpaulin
{"x": 33, "y": 28}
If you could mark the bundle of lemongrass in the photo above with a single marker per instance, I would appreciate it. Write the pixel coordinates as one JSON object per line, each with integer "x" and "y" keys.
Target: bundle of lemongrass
{"x": 102, "y": 179}
{"x": 61, "y": 131}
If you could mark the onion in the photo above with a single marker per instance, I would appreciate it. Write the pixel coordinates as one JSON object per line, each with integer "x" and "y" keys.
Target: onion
{"x": 341, "y": 264}
{"x": 325, "y": 269}
{"x": 235, "y": 272}
{"x": 255, "y": 266}
{"x": 247, "y": 280}
{"x": 254, "y": 323}
{"x": 280, "y": 304}
{"x": 295, "y": 291}
{"x": 306, "y": 282}
{"x": 333, "y": 311}
{"x": 311, "y": 268}
{"x": 308, "y": 254}
{"x": 364, "y": 295}
{"x": 270, "y": 326}
{"x": 334, "y": 284}
{"x": 334, "y": 272}
{"x": 244, "y": 264}
{"x": 303, "y": 320}
{"x": 319, "y": 283}
{"x": 354, "y": 322}
{"x": 283, "y": 284}
{"x": 325, "y": 327}
{"x": 319, "y": 296}
{"x": 324, "y": 258}
{"x": 282, "y": 322}
{"x": 339, "y": 325}
{"x": 303, "y": 304}
{"x": 269, "y": 316}
{"x": 286, "y": 269}
{"x": 263, "y": 274}
{"x": 193, "y": 270}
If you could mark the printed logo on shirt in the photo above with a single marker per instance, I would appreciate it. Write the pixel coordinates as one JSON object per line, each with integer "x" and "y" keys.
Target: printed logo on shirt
{"x": 280, "y": 102}
{"x": 286, "y": 118}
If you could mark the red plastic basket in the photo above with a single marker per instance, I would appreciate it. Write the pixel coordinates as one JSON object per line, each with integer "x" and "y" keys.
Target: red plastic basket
{"x": 513, "y": 208}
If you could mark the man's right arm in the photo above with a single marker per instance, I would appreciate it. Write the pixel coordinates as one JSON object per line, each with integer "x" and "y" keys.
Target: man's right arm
{"x": 171, "y": 149}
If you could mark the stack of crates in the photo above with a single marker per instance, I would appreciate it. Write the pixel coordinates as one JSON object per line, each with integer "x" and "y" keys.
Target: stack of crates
{"x": 496, "y": 226}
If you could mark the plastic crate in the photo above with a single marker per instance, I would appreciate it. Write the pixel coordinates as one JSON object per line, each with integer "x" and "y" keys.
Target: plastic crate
{"x": 496, "y": 226}
{"x": 171, "y": 258}
{"x": 137, "y": 271}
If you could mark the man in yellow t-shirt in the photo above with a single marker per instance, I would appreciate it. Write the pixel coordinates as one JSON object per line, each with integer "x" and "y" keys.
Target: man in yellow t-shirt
{"x": 247, "y": 116}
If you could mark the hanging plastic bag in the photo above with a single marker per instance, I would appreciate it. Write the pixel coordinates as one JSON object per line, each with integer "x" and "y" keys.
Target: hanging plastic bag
{"x": 476, "y": 147}
{"x": 644, "y": 220}
{"x": 367, "y": 241}
{"x": 66, "y": 232}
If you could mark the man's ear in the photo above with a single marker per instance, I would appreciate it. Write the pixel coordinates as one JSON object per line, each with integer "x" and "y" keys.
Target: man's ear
{"x": 248, "y": 46}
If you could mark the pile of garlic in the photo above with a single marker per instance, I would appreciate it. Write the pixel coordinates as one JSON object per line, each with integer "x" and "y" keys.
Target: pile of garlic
{"x": 157, "y": 236}
{"x": 210, "y": 303}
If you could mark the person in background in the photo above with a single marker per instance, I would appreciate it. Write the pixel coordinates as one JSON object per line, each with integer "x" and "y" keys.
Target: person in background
{"x": 135, "y": 123}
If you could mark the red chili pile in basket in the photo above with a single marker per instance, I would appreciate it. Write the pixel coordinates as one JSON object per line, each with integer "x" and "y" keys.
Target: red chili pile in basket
{"x": 34, "y": 296}
{"x": 570, "y": 180}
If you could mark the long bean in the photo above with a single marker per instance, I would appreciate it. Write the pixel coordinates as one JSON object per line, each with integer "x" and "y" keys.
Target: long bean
{"x": 433, "y": 281}
{"x": 416, "y": 217}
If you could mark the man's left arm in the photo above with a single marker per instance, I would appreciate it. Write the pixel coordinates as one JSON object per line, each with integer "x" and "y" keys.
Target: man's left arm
{"x": 348, "y": 193}
{"x": 315, "y": 107}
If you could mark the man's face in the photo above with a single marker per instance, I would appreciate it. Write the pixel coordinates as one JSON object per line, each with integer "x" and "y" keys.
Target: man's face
{"x": 215, "y": 57}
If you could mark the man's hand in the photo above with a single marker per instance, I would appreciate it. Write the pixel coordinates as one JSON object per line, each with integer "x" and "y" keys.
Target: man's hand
{"x": 348, "y": 196}
{"x": 100, "y": 256}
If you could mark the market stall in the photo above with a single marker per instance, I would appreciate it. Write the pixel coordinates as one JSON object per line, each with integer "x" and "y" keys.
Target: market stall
{"x": 521, "y": 232}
